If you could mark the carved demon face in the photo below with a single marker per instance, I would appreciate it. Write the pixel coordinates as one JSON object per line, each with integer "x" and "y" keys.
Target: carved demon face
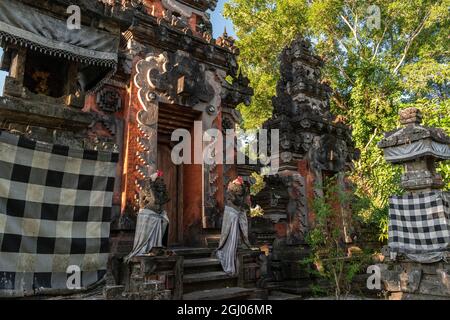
{"x": 329, "y": 153}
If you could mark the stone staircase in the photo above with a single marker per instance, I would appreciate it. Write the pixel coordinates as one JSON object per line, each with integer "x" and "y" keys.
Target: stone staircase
{"x": 204, "y": 279}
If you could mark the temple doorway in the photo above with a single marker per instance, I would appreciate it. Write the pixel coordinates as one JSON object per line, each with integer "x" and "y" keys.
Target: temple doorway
{"x": 173, "y": 177}
{"x": 184, "y": 182}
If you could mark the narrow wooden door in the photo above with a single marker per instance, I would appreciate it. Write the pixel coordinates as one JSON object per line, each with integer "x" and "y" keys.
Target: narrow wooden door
{"x": 173, "y": 178}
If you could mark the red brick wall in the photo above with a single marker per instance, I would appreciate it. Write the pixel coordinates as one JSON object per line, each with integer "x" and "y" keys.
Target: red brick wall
{"x": 304, "y": 171}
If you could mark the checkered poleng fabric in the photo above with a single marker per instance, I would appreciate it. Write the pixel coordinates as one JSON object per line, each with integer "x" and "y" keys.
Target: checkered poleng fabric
{"x": 55, "y": 211}
{"x": 419, "y": 223}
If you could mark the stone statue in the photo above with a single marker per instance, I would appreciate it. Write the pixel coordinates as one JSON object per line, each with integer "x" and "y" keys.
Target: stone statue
{"x": 234, "y": 225}
{"x": 152, "y": 222}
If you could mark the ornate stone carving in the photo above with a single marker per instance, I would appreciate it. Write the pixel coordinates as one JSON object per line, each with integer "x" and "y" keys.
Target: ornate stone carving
{"x": 100, "y": 144}
{"x": 227, "y": 42}
{"x": 109, "y": 100}
{"x": 237, "y": 92}
{"x": 148, "y": 86}
{"x": 179, "y": 79}
{"x": 418, "y": 148}
{"x": 211, "y": 214}
{"x": 184, "y": 10}
{"x": 179, "y": 22}
{"x": 297, "y": 212}
{"x": 302, "y": 114}
{"x": 329, "y": 153}
{"x": 312, "y": 145}
{"x": 153, "y": 195}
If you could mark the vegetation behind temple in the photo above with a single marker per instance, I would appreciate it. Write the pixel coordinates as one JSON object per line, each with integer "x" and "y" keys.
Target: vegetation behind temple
{"x": 334, "y": 258}
{"x": 374, "y": 72}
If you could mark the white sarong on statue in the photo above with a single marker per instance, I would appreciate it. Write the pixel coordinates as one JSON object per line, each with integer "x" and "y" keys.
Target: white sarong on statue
{"x": 234, "y": 226}
{"x": 150, "y": 229}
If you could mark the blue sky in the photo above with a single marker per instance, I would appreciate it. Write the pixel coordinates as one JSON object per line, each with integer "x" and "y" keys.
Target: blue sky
{"x": 218, "y": 21}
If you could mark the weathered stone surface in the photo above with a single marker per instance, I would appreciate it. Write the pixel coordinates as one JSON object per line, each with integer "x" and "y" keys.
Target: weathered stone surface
{"x": 44, "y": 114}
{"x": 435, "y": 285}
{"x": 219, "y": 294}
{"x": 113, "y": 292}
{"x": 430, "y": 146}
{"x": 421, "y": 280}
{"x": 410, "y": 281}
{"x": 410, "y": 296}
{"x": 392, "y": 283}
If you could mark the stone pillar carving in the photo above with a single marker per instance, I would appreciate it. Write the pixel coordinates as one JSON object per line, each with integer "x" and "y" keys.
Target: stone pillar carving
{"x": 297, "y": 215}
{"x": 149, "y": 79}
{"x": 313, "y": 143}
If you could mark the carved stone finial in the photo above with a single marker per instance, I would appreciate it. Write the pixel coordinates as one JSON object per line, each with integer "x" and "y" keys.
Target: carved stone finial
{"x": 227, "y": 41}
{"x": 410, "y": 116}
{"x": 417, "y": 148}
{"x": 303, "y": 116}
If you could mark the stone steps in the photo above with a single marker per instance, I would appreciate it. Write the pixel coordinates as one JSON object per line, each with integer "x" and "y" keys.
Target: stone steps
{"x": 203, "y": 277}
{"x": 206, "y": 276}
{"x": 201, "y": 265}
{"x": 234, "y": 293}
{"x": 213, "y": 241}
{"x": 190, "y": 263}
{"x": 207, "y": 280}
{"x": 194, "y": 253}
{"x": 279, "y": 295}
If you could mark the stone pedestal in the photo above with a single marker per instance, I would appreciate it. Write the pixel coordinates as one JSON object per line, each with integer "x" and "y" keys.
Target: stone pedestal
{"x": 419, "y": 224}
{"x": 149, "y": 278}
{"x": 405, "y": 279}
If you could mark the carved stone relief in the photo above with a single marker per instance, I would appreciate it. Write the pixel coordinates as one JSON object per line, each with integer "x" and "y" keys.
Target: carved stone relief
{"x": 109, "y": 100}
{"x": 149, "y": 84}
{"x": 297, "y": 211}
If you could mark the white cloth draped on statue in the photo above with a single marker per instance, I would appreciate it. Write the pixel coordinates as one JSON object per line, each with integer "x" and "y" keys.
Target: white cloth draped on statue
{"x": 150, "y": 229}
{"x": 234, "y": 228}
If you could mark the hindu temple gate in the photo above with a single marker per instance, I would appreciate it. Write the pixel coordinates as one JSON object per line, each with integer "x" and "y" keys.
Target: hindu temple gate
{"x": 314, "y": 145}
{"x": 156, "y": 69}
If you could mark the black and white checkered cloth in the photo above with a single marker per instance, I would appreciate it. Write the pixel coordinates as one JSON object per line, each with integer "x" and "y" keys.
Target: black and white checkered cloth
{"x": 55, "y": 211}
{"x": 419, "y": 223}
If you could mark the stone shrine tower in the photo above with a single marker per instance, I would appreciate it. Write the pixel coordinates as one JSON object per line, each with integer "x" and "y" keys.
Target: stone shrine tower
{"x": 415, "y": 265}
{"x": 314, "y": 145}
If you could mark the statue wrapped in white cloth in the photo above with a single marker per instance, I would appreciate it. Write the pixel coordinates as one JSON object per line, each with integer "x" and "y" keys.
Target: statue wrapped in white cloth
{"x": 234, "y": 225}
{"x": 152, "y": 222}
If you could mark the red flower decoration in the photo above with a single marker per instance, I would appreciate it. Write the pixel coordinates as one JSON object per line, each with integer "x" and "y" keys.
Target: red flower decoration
{"x": 159, "y": 173}
{"x": 238, "y": 181}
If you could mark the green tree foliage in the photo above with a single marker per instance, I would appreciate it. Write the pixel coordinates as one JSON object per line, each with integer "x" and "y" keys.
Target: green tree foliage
{"x": 373, "y": 70}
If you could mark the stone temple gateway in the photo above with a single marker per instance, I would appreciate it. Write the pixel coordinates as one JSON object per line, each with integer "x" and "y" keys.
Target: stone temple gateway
{"x": 94, "y": 92}
{"x": 118, "y": 86}
{"x": 87, "y": 118}
{"x": 314, "y": 146}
